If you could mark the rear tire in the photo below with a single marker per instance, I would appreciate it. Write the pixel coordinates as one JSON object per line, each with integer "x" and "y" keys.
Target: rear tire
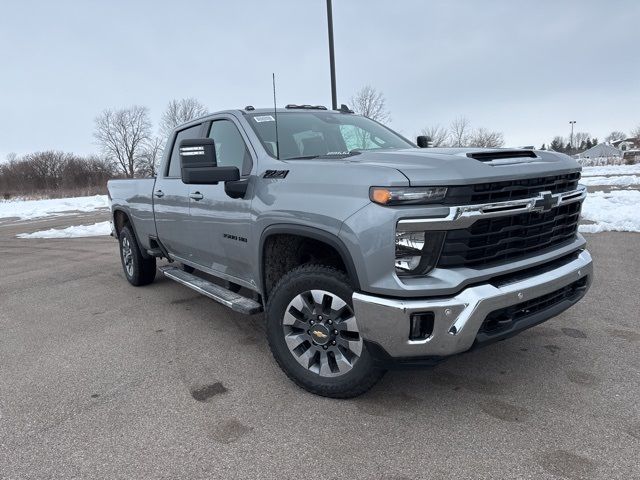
{"x": 138, "y": 269}
{"x": 313, "y": 334}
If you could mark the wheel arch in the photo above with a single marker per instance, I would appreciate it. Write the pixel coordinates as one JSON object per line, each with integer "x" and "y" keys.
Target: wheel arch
{"x": 305, "y": 233}
{"x": 120, "y": 219}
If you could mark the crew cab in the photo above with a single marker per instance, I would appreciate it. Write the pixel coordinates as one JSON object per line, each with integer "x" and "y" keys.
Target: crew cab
{"x": 363, "y": 250}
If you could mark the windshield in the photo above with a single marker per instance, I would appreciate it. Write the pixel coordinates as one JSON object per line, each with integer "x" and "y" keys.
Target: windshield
{"x": 322, "y": 134}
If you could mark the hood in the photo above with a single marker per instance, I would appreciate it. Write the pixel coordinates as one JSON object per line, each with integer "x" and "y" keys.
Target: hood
{"x": 463, "y": 166}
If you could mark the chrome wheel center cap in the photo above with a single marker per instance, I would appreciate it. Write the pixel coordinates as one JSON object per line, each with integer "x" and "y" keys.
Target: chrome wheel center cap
{"x": 320, "y": 334}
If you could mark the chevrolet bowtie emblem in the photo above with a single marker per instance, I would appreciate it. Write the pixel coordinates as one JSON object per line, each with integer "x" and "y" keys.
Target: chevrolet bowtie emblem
{"x": 319, "y": 334}
{"x": 546, "y": 201}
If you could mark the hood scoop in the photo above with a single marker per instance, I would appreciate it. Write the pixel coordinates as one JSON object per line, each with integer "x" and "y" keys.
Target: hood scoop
{"x": 504, "y": 157}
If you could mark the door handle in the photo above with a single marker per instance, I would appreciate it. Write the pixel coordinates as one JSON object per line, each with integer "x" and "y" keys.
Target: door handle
{"x": 196, "y": 196}
{"x": 159, "y": 193}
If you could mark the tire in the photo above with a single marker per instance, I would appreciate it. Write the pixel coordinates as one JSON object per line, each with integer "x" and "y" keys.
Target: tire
{"x": 304, "y": 311}
{"x": 138, "y": 269}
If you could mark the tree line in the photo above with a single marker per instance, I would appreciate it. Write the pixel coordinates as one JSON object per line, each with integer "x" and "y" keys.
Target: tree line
{"x": 583, "y": 141}
{"x": 51, "y": 172}
{"x": 128, "y": 148}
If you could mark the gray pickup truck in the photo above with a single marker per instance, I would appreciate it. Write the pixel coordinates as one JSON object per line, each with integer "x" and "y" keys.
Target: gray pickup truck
{"x": 363, "y": 250}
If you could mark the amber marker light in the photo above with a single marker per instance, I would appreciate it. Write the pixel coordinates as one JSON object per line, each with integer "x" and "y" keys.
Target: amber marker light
{"x": 407, "y": 195}
{"x": 380, "y": 195}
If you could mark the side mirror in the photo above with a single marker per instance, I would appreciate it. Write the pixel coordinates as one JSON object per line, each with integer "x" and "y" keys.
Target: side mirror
{"x": 199, "y": 165}
{"x": 424, "y": 141}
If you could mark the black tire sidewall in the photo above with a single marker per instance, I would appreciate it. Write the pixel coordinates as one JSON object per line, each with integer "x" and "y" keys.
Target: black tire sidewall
{"x": 143, "y": 270}
{"x": 364, "y": 372}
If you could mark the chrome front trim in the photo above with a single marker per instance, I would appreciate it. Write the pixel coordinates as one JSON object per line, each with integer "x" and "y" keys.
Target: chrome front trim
{"x": 386, "y": 321}
{"x": 466, "y": 215}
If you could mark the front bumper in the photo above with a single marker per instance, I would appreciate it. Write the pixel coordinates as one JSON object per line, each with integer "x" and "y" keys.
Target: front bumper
{"x": 385, "y": 322}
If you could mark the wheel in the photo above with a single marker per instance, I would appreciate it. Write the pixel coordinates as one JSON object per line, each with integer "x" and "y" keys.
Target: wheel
{"x": 313, "y": 333}
{"x": 138, "y": 269}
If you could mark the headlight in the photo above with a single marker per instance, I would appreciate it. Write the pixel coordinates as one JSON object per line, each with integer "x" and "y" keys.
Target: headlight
{"x": 417, "y": 252}
{"x": 406, "y": 195}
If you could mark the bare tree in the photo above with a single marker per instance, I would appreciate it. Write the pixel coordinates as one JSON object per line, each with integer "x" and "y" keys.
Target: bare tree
{"x": 150, "y": 158}
{"x": 439, "y": 135}
{"x": 460, "y": 130}
{"x": 615, "y": 135}
{"x": 179, "y": 112}
{"x": 484, "y": 138}
{"x": 635, "y": 133}
{"x": 46, "y": 168}
{"x": 580, "y": 140}
{"x": 370, "y": 103}
{"x": 122, "y": 135}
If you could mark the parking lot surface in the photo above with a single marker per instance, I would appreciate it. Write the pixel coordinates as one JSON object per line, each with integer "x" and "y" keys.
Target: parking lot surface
{"x": 101, "y": 379}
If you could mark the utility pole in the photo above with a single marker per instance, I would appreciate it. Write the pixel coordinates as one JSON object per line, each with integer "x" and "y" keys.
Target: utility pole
{"x": 572, "y": 122}
{"x": 332, "y": 59}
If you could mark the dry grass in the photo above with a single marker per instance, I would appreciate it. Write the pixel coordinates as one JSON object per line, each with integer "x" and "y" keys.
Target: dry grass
{"x": 61, "y": 193}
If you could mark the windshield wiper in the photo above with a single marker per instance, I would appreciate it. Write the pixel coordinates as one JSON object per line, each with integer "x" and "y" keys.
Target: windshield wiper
{"x": 326, "y": 155}
{"x": 302, "y": 157}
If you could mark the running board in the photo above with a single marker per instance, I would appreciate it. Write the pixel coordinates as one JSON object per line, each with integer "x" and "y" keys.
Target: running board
{"x": 216, "y": 292}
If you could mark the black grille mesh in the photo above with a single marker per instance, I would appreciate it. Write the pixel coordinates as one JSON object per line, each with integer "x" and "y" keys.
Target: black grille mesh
{"x": 498, "y": 239}
{"x": 511, "y": 189}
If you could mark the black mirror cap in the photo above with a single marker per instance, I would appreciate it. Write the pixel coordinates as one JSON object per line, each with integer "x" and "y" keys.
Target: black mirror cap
{"x": 209, "y": 175}
{"x": 197, "y": 153}
{"x": 424, "y": 141}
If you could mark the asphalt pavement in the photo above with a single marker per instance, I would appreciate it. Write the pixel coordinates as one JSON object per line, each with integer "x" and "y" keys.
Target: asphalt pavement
{"x": 99, "y": 379}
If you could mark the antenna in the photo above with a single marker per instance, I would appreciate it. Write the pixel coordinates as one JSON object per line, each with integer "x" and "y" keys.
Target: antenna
{"x": 275, "y": 115}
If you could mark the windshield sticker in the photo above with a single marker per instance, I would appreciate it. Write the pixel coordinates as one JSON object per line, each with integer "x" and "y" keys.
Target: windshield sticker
{"x": 264, "y": 118}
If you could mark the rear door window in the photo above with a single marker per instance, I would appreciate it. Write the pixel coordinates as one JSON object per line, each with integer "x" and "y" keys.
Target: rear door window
{"x": 174, "y": 163}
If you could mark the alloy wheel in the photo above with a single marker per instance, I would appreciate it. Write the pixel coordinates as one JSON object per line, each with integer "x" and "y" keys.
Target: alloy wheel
{"x": 321, "y": 333}
{"x": 127, "y": 256}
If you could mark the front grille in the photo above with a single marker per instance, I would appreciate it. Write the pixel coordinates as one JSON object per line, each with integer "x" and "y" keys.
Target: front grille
{"x": 497, "y": 239}
{"x": 505, "y": 317}
{"x": 510, "y": 190}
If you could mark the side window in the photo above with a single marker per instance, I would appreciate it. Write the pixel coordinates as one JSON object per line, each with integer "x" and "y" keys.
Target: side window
{"x": 174, "y": 163}
{"x": 231, "y": 151}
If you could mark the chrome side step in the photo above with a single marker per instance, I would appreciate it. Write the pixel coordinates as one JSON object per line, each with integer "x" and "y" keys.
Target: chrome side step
{"x": 216, "y": 292}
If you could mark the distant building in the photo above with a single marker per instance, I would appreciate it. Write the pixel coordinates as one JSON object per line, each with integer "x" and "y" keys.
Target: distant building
{"x": 600, "y": 154}
{"x": 601, "y": 150}
{"x": 630, "y": 148}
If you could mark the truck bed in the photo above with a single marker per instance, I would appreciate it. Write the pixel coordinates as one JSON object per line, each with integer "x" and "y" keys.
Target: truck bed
{"x": 135, "y": 197}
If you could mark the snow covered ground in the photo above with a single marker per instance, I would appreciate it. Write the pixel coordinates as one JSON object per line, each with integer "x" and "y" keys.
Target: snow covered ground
{"x": 29, "y": 209}
{"x": 613, "y": 211}
{"x": 611, "y": 170}
{"x": 78, "y": 231}
{"x": 617, "y": 180}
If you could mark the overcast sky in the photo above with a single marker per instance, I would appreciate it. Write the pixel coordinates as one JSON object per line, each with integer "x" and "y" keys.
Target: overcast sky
{"x": 521, "y": 67}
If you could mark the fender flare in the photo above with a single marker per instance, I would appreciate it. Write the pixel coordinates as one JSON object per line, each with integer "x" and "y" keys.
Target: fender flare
{"x": 316, "y": 234}
{"x": 133, "y": 227}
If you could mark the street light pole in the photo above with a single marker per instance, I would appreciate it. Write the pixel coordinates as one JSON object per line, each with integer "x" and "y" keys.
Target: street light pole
{"x": 572, "y": 122}
{"x": 332, "y": 59}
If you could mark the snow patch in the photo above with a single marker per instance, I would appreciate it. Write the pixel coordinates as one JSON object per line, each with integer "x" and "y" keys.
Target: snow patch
{"x": 77, "y": 231}
{"x": 619, "y": 180}
{"x": 611, "y": 170}
{"x": 615, "y": 211}
{"x": 28, "y": 209}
